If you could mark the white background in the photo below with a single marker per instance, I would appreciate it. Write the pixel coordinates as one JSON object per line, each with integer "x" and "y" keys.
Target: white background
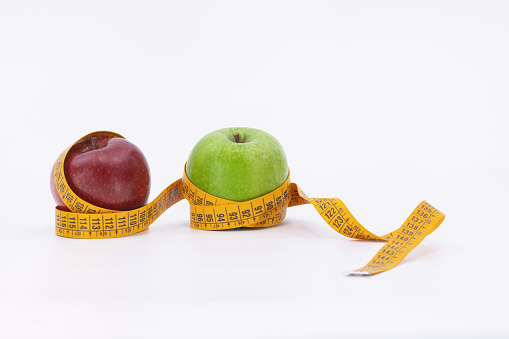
{"x": 382, "y": 104}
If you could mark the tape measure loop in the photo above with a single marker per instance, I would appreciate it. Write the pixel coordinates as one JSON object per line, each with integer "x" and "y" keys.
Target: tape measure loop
{"x": 208, "y": 212}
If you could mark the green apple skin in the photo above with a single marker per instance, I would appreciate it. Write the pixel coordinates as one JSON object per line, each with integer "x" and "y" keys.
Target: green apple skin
{"x": 238, "y": 171}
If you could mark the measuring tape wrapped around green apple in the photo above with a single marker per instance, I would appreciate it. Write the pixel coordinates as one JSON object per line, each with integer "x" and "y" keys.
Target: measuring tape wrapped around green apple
{"x": 234, "y": 177}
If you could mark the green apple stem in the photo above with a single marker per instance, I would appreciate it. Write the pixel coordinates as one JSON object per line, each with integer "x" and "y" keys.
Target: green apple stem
{"x": 237, "y": 138}
{"x": 94, "y": 145}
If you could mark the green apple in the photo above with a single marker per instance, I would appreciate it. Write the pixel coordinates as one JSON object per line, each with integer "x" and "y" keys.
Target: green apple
{"x": 237, "y": 164}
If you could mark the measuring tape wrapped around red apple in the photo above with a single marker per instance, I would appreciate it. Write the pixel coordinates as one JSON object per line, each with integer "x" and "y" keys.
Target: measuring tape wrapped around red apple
{"x": 114, "y": 205}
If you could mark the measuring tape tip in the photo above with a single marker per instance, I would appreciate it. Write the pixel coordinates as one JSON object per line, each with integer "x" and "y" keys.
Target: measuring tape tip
{"x": 357, "y": 273}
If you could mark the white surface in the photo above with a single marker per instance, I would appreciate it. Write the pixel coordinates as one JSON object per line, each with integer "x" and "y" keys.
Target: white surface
{"x": 380, "y": 104}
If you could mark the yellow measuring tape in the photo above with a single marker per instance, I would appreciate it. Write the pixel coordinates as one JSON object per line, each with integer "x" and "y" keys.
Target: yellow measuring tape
{"x": 212, "y": 213}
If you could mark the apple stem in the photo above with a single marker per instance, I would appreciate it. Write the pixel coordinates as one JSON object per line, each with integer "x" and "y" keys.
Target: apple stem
{"x": 237, "y": 138}
{"x": 94, "y": 145}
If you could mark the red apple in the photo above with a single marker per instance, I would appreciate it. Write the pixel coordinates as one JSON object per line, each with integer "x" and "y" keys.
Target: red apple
{"x": 111, "y": 173}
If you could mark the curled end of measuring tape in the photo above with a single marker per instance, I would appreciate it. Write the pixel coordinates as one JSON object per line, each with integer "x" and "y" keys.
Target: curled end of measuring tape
{"x": 208, "y": 212}
{"x": 424, "y": 219}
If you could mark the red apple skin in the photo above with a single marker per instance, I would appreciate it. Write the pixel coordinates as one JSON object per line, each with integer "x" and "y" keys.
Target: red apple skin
{"x": 111, "y": 173}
